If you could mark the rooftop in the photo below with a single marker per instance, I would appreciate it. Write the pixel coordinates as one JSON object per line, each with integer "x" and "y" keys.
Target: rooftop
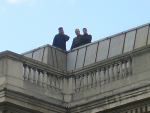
{"x": 98, "y": 77}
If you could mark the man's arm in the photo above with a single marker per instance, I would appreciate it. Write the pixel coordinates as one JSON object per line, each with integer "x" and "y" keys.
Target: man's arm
{"x": 66, "y": 37}
{"x": 54, "y": 41}
{"x": 72, "y": 46}
{"x": 87, "y": 38}
{"x": 90, "y": 38}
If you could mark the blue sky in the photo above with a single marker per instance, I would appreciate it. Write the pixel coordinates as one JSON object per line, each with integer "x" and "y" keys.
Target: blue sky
{"x": 28, "y": 24}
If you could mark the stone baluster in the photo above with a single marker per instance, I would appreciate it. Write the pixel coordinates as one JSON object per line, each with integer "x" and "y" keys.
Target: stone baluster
{"x": 82, "y": 83}
{"x": 94, "y": 79}
{"x": 48, "y": 81}
{"x": 52, "y": 82}
{"x": 61, "y": 83}
{"x": 65, "y": 83}
{"x": 107, "y": 75}
{"x": 25, "y": 72}
{"x": 44, "y": 82}
{"x": 57, "y": 83}
{"x": 77, "y": 83}
{"x": 120, "y": 70}
{"x": 34, "y": 75}
{"x": 90, "y": 80}
{"x": 102, "y": 76}
{"x": 125, "y": 68}
{"x": 30, "y": 75}
{"x": 130, "y": 67}
{"x": 98, "y": 77}
{"x": 40, "y": 78}
{"x": 86, "y": 81}
{"x": 116, "y": 71}
{"x": 111, "y": 73}
{"x": 24, "y": 68}
{"x": 74, "y": 84}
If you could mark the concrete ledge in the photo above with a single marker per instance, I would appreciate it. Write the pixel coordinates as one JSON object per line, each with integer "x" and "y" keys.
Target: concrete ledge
{"x": 28, "y": 102}
{"x": 112, "y": 101}
{"x": 35, "y": 91}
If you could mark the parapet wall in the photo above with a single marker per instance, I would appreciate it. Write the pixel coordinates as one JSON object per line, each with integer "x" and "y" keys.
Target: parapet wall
{"x": 50, "y": 55}
{"x": 108, "y": 47}
{"x": 94, "y": 52}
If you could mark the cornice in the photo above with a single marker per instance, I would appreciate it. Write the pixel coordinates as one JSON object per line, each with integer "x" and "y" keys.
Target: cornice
{"x": 106, "y": 101}
{"x": 31, "y": 102}
{"x": 131, "y": 95}
{"x": 12, "y": 108}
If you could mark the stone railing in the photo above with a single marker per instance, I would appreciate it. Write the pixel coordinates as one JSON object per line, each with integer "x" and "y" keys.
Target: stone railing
{"x": 43, "y": 78}
{"x": 34, "y": 72}
{"x": 103, "y": 75}
{"x": 79, "y": 81}
{"x": 104, "y": 72}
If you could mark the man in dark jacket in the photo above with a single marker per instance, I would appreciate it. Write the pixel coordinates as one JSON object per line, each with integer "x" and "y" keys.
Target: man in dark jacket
{"x": 81, "y": 39}
{"x": 77, "y": 40}
{"x": 60, "y": 39}
{"x": 86, "y": 37}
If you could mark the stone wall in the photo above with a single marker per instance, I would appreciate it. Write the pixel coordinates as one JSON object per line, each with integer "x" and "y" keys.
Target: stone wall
{"x": 50, "y": 55}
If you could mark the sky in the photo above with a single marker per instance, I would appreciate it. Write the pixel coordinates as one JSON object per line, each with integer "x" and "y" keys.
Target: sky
{"x": 29, "y": 24}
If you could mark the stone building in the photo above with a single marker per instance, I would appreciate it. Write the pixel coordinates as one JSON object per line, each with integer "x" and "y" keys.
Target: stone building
{"x": 111, "y": 75}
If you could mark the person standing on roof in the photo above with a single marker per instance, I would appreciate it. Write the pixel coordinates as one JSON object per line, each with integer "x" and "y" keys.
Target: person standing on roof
{"x": 60, "y": 39}
{"x": 81, "y": 39}
{"x": 77, "y": 40}
{"x": 86, "y": 38}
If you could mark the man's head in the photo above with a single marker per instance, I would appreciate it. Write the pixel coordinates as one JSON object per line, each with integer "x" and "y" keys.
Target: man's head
{"x": 61, "y": 31}
{"x": 77, "y": 31}
{"x": 84, "y": 30}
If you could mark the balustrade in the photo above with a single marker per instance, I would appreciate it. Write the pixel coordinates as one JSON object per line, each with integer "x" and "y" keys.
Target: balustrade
{"x": 91, "y": 79}
{"x": 103, "y": 75}
{"x": 85, "y": 79}
{"x": 42, "y": 78}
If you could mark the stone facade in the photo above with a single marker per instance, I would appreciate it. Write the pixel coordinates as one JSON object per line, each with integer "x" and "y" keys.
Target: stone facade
{"x": 107, "y": 76}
